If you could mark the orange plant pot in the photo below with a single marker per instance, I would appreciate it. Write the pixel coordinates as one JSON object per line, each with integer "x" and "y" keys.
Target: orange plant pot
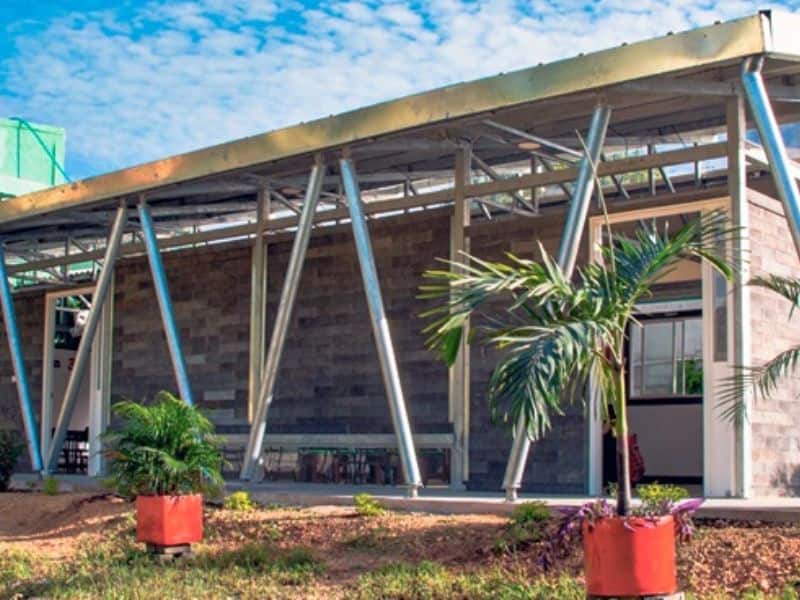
{"x": 638, "y": 560}
{"x": 169, "y": 520}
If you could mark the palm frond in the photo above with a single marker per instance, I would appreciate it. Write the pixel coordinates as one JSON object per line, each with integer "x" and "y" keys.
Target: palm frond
{"x": 788, "y": 287}
{"x": 542, "y": 365}
{"x": 762, "y": 381}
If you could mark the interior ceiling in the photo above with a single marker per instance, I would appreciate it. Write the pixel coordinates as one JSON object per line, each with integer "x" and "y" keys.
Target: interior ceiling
{"x": 668, "y": 109}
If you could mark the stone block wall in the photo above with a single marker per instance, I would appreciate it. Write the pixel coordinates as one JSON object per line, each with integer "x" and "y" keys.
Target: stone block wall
{"x": 557, "y": 463}
{"x": 775, "y": 423}
{"x": 330, "y": 380}
{"x": 30, "y": 314}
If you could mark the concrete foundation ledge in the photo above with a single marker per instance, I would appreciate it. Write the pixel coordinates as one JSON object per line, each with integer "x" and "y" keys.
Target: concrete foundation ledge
{"x": 440, "y": 500}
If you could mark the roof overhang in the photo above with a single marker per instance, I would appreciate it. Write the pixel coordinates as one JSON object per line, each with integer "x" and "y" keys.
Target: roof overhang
{"x": 717, "y": 45}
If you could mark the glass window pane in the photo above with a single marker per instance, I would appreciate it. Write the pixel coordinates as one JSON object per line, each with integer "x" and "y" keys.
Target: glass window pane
{"x": 720, "y": 317}
{"x": 635, "y": 361}
{"x": 692, "y": 364}
{"x": 657, "y": 376}
{"x": 666, "y": 358}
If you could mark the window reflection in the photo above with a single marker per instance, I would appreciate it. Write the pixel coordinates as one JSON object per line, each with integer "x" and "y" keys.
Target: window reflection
{"x": 666, "y": 358}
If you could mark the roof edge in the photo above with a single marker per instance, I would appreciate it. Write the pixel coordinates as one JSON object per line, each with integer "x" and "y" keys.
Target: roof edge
{"x": 674, "y": 52}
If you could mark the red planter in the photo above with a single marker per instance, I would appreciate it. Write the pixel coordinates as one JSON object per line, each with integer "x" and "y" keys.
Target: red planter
{"x": 633, "y": 560}
{"x": 169, "y": 520}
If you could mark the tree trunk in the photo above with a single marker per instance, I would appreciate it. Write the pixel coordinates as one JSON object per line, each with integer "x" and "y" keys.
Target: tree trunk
{"x": 623, "y": 452}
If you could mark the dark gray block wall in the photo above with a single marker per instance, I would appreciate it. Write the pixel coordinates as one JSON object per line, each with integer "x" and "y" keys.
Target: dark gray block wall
{"x": 330, "y": 379}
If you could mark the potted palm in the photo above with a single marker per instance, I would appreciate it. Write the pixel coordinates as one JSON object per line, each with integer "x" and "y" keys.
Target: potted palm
{"x": 166, "y": 456}
{"x": 554, "y": 333}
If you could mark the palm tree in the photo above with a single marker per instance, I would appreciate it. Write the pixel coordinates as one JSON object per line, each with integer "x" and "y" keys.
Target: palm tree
{"x": 764, "y": 380}
{"x": 166, "y": 448}
{"x": 555, "y": 332}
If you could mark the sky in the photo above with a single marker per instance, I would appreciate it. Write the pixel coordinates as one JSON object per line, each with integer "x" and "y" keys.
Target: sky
{"x": 136, "y": 80}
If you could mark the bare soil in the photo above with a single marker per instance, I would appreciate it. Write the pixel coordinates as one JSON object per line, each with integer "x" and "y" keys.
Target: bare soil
{"x": 725, "y": 557}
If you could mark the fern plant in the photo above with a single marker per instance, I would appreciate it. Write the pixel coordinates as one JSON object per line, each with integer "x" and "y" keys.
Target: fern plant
{"x": 167, "y": 448}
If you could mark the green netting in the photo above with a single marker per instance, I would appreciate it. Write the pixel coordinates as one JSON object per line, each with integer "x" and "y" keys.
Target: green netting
{"x": 31, "y": 151}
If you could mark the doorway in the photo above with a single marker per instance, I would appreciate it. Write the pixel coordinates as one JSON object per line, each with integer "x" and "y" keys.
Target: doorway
{"x": 678, "y": 351}
{"x": 65, "y": 318}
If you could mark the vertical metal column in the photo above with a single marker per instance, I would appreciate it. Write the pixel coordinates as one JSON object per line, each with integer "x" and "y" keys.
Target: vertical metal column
{"x": 736, "y": 120}
{"x": 255, "y": 444}
{"x": 459, "y": 373}
{"x": 258, "y": 303}
{"x": 83, "y": 354}
{"x": 773, "y": 143}
{"x": 567, "y": 257}
{"x": 380, "y": 329}
{"x": 164, "y": 302}
{"x": 18, "y": 362}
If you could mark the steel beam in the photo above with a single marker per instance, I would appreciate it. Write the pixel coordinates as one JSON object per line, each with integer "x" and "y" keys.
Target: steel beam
{"x": 255, "y": 443}
{"x": 567, "y": 257}
{"x": 774, "y": 146}
{"x": 459, "y": 373}
{"x": 164, "y": 302}
{"x": 18, "y": 362}
{"x": 380, "y": 328}
{"x": 258, "y": 302}
{"x": 736, "y": 121}
{"x": 83, "y": 354}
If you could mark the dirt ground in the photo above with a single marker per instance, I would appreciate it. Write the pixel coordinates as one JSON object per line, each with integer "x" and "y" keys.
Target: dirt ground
{"x": 724, "y": 557}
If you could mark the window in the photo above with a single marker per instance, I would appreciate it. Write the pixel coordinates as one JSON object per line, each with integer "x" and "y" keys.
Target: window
{"x": 666, "y": 357}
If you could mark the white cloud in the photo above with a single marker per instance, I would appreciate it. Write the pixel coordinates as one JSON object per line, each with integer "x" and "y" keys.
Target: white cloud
{"x": 138, "y": 83}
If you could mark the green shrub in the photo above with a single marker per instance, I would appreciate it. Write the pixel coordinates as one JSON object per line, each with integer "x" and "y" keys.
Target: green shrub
{"x": 656, "y": 496}
{"x": 367, "y": 506}
{"x": 50, "y": 486}
{"x": 531, "y": 513}
{"x": 239, "y": 501}
{"x": 528, "y": 525}
{"x": 167, "y": 448}
{"x": 10, "y": 450}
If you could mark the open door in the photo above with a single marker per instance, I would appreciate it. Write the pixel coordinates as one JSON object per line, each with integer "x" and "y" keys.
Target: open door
{"x": 65, "y": 316}
{"x": 678, "y": 353}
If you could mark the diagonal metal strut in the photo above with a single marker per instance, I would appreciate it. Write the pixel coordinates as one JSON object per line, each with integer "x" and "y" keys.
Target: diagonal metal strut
{"x": 567, "y": 257}
{"x": 774, "y": 146}
{"x": 83, "y": 354}
{"x": 380, "y": 328}
{"x": 18, "y": 362}
{"x": 255, "y": 443}
{"x": 164, "y": 302}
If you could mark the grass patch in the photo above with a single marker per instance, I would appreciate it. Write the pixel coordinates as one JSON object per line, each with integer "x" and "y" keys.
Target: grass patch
{"x": 121, "y": 569}
{"x": 430, "y": 581}
{"x": 50, "y": 486}
{"x": 239, "y": 501}
{"x": 529, "y": 524}
{"x": 368, "y": 540}
{"x": 367, "y": 506}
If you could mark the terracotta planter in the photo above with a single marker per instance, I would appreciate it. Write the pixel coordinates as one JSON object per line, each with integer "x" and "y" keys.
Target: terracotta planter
{"x": 633, "y": 560}
{"x": 169, "y": 520}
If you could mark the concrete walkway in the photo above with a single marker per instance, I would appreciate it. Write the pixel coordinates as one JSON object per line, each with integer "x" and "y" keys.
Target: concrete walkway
{"x": 447, "y": 501}
{"x": 444, "y": 500}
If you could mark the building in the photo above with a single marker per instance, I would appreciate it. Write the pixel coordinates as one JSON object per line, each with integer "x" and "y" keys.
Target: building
{"x": 208, "y": 259}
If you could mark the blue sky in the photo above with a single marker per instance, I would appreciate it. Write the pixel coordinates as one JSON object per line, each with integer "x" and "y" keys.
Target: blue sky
{"x": 136, "y": 80}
